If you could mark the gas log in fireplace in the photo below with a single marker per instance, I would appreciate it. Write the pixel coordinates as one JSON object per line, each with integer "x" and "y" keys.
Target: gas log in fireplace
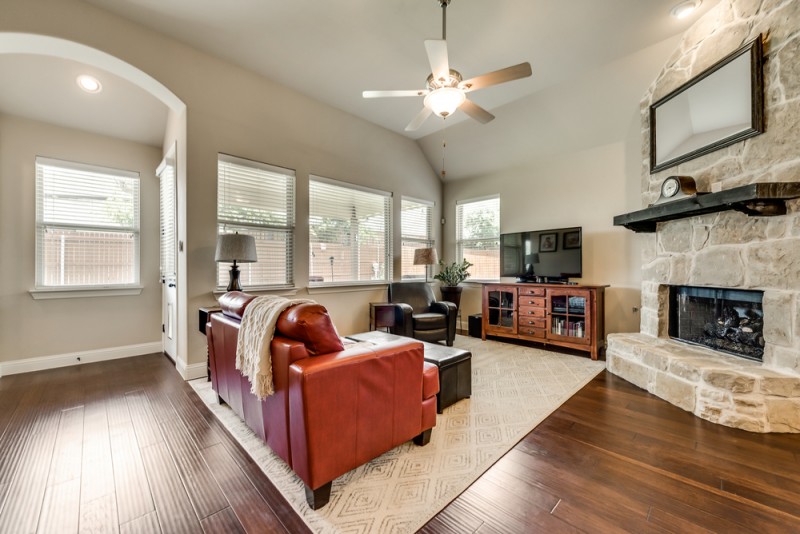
{"x": 729, "y": 320}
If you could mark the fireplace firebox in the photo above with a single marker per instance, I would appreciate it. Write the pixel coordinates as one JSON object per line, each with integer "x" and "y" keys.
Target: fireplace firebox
{"x": 729, "y": 320}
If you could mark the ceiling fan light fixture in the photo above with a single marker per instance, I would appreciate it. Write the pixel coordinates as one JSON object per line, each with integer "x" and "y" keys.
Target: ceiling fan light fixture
{"x": 445, "y": 100}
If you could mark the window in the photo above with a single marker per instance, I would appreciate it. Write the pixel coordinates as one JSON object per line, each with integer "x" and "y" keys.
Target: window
{"x": 349, "y": 233}
{"x": 87, "y": 226}
{"x": 478, "y": 236}
{"x": 257, "y": 199}
{"x": 416, "y": 232}
{"x": 166, "y": 174}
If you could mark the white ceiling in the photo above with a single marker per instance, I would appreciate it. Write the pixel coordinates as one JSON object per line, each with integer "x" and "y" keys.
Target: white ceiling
{"x": 44, "y": 88}
{"x": 333, "y": 50}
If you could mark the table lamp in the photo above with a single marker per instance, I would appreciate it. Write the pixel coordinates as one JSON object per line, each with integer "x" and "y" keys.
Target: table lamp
{"x": 233, "y": 248}
{"x": 426, "y": 256}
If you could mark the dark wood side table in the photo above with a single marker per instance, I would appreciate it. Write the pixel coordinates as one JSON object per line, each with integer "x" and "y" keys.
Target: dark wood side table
{"x": 203, "y": 316}
{"x": 381, "y": 315}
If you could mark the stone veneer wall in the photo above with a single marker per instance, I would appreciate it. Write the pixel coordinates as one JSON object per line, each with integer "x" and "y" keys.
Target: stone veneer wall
{"x": 727, "y": 249}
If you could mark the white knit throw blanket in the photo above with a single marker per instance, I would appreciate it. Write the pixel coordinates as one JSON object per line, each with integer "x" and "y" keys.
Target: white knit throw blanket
{"x": 253, "y": 356}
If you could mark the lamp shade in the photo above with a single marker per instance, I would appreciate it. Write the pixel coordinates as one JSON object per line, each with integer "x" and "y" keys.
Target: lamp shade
{"x": 425, "y": 256}
{"x": 236, "y": 248}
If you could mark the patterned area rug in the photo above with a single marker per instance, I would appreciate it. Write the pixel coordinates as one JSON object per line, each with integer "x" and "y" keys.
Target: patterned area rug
{"x": 513, "y": 389}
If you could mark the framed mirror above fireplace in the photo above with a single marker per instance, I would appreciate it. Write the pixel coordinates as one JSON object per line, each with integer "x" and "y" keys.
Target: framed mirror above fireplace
{"x": 721, "y": 106}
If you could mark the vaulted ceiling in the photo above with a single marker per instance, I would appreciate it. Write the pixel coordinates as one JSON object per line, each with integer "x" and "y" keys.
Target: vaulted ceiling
{"x": 332, "y": 51}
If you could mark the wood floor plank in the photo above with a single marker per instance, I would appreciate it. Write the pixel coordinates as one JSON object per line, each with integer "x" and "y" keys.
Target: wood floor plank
{"x": 97, "y": 466}
{"x": 146, "y": 524}
{"x": 203, "y": 490}
{"x": 60, "y": 509}
{"x": 196, "y": 418}
{"x": 25, "y": 493}
{"x": 99, "y": 516}
{"x": 280, "y": 506}
{"x": 175, "y": 512}
{"x": 248, "y": 505}
{"x": 161, "y": 407}
{"x": 144, "y": 420}
{"x": 134, "y": 499}
{"x": 68, "y": 450}
{"x": 490, "y": 500}
{"x": 117, "y": 409}
{"x": 13, "y": 441}
{"x": 8, "y": 400}
{"x": 455, "y": 519}
{"x": 223, "y": 522}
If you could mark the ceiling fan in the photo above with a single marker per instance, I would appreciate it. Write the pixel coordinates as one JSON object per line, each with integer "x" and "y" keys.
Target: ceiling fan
{"x": 446, "y": 90}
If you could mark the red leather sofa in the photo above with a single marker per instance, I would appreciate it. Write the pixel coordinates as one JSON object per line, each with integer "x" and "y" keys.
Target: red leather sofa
{"x": 332, "y": 409}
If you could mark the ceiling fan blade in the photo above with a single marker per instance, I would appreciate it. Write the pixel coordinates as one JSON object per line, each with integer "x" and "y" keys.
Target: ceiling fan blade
{"x": 381, "y": 94}
{"x": 523, "y": 70}
{"x": 476, "y": 112}
{"x": 424, "y": 113}
{"x": 437, "y": 56}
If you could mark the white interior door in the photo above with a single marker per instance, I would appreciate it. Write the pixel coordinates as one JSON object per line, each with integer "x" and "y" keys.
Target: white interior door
{"x": 167, "y": 173}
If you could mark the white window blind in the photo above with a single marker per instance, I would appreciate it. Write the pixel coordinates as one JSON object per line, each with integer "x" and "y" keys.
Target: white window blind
{"x": 349, "y": 233}
{"x": 257, "y": 199}
{"x": 87, "y": 226}
{"x": 166, "y": 174}
{"x": 478, "y": 236}
{"x": 416, "y": 231}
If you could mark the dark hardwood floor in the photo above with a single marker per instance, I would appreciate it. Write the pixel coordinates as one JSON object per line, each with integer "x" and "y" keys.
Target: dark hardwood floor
{"x": 126, "y": 446}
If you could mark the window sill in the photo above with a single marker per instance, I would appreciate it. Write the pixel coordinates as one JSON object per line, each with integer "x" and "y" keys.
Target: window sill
{"x": 84, "y": 292}
{"x": 346, "y": 288}
{"x": 282, "y": 291}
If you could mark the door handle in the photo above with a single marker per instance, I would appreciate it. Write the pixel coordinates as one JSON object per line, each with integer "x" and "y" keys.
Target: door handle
{"x": 171, "y": 284}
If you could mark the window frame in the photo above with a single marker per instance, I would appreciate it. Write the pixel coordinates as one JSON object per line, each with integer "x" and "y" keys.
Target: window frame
{"x": 460, "y": 241}
{"x": 387, "y": 197}
{"x": 234, "y": 225}
{"x": 43, "y": 291}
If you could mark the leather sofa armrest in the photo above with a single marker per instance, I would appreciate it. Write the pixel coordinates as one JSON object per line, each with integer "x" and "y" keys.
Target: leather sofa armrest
{"x": 212, "y": 357}
{"x": 403, "y": 324}
{"x": 445, "y": 307}
{"x": 430, "y": 380}
{"x": 451, "y": 312}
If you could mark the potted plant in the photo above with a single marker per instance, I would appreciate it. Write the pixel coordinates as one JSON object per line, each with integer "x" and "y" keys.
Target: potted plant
{"x": 450, "y": 276}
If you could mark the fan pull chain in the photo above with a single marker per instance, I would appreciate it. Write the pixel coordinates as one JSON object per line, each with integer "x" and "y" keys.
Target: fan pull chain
{"x": 444, "y": 146}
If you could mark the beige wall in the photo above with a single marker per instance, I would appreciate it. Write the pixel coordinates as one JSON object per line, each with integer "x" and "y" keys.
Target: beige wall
{"x": 31, "y": 328}
{"x": 232, "y": 110}
{"x": 586, "y": 189}
{"x": 590, "y": 177}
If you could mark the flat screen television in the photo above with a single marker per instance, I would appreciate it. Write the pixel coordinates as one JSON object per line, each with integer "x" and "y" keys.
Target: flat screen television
{"x": 543, "y": 255}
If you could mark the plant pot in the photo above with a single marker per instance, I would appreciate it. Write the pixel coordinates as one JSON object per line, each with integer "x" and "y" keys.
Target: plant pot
{"x": 452, "y": 294}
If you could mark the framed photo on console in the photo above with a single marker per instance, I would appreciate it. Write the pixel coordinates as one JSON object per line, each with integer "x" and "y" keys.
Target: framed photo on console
{"x": 548, "y": 242}
{"x": 572, "y": 240}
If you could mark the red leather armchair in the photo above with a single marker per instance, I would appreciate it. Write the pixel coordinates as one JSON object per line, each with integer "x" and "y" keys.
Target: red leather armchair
{"x": 332, "y": 409}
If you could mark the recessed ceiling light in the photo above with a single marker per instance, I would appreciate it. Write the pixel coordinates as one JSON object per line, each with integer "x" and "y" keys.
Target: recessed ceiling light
{"x": 684, "y": 9}
{"x": 90, "y": 84}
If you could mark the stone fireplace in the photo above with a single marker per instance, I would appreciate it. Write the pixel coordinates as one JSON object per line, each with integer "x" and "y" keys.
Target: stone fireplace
{"x": 727, "y": 251}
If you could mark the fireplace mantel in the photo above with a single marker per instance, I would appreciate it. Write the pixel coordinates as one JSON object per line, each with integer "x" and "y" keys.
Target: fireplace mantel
{"x": 760, "y": 199}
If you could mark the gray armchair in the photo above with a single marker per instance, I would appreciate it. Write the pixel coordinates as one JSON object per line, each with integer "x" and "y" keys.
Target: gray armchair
{"x": 419, "y": 315}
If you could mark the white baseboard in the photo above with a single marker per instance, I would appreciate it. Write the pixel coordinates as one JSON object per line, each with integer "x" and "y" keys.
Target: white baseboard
{"x": 190, "y": 372}
{"x": 42, "y": 363}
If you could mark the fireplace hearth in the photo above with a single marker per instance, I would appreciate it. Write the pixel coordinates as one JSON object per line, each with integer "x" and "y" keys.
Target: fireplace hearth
{"x": 728, "y": 320}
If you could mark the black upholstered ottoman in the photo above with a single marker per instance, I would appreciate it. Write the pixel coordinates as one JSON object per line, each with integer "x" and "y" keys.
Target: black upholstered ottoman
{"x": 455, "y": 367}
